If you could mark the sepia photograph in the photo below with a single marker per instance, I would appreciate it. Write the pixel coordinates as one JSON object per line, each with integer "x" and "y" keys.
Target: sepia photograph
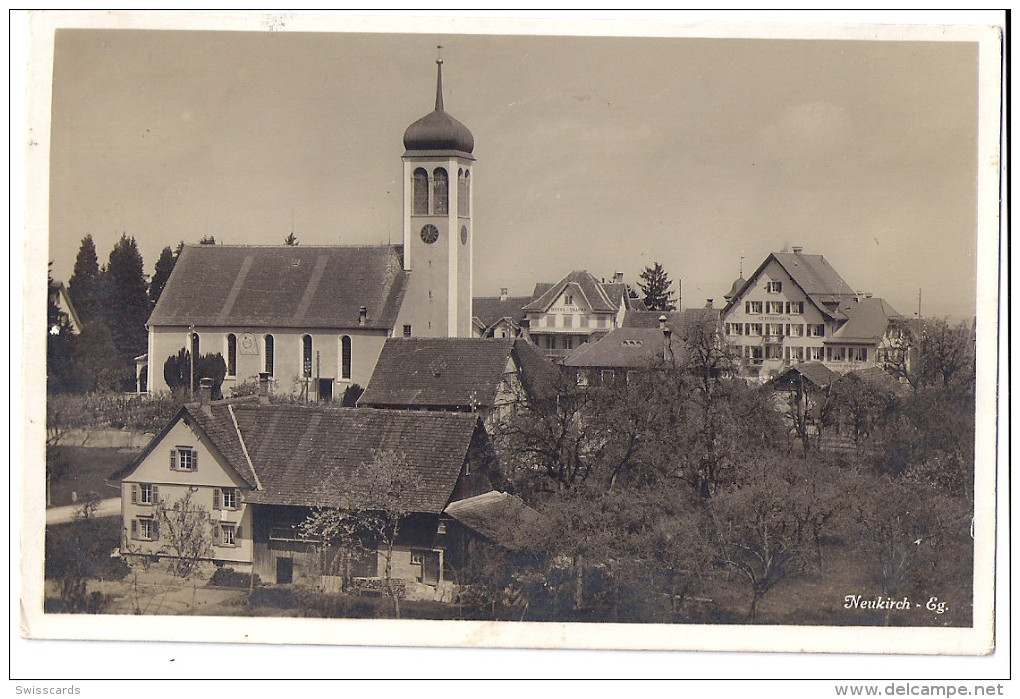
{"x": 496, "y": 334}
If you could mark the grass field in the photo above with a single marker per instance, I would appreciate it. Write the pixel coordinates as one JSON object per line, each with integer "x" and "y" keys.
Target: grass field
{"x": 87, "y": 469}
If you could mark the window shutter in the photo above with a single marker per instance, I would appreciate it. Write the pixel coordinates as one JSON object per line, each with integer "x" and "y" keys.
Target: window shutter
{"x": 155, "y": 494}
{"x": 216, "y": 533}
{"x": 237, "y": 534}
{"x": 216, "y": 499}
{"x": 134, "y": 529}
{"x": 173, "y": 459}
{"x": 194, "y": 460}
{"x": 134, "y": 494}
{"x": 155, "y": 530}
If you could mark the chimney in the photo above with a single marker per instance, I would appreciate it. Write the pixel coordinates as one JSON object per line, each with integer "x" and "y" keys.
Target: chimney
{"x": 503, "y": 293}
{"x": 617, "y": 277}
{"x": 205, "y": 386}
{"x": 797, "y": 250}
{"x": 264, "y": 386}
{"x": 708, "y": 303}
{"x": 662, "y": 323}
{"x": 362, "y": 315}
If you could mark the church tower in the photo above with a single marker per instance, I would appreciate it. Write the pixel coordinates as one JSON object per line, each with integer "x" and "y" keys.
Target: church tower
{"x": 438, "y": 236}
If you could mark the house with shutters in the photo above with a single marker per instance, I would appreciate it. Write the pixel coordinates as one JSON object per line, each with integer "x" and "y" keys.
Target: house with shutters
{"x": 314, "y": 318}
{"x": 797, "y": 308}
{"x": 256, "y": 471}
{"x": 578, "y": 308}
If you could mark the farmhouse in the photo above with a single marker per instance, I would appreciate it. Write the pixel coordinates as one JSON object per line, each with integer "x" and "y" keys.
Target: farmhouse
{"x": 251, "y": 473}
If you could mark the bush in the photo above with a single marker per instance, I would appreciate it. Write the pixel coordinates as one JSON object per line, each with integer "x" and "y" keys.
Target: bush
{"x": 228, "y": 577}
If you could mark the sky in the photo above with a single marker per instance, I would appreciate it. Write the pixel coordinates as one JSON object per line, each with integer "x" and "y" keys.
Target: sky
{"x": 597, "y": 153}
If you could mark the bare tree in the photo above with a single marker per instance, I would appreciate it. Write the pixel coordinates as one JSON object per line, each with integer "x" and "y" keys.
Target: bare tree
{"x": 375, "y": 502}
{"x": 183, "y": 530}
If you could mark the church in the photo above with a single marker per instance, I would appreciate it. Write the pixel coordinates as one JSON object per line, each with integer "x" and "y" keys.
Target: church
{"x": 314, "y": 319}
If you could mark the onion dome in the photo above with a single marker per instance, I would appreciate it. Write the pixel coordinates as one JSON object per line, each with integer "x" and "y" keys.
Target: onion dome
{"x": 438, "y": 130}
{"x": 738, "y": 283}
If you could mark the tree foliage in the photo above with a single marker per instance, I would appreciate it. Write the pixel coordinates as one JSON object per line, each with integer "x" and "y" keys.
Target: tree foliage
{"x": 177, "y": 372}
{"x": 183, "y": 529}
{"x": 86, "y": 285}
{"x": 291, "y": 239}
{"x": 161, "y": 273}
{"x": 656, "y": 287}
{"x": 127, "y": 302}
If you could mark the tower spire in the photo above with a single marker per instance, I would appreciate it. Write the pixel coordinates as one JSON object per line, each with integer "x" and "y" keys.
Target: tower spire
{"x": 439, "y": 80}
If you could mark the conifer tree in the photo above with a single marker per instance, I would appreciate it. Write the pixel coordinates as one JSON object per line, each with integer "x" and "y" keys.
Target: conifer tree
{"x": 85, "y": 284}
{"x": 161, "y": 273}
{"x": 656, "y": 286}
{"x": 127, "y": 299}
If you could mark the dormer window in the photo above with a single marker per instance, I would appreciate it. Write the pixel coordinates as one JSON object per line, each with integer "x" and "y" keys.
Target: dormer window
{"x": 774, "y": 287}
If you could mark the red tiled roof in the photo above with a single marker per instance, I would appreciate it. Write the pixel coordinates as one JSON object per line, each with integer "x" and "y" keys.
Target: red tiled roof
{"x": 438, "y": 372}
{"x": 283, "y": 286}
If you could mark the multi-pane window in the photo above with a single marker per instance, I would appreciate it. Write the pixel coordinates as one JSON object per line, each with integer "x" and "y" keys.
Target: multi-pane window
{"x": 858, "y": 354}
{"x": 774, "y": 329}
{"x": 734, "y": 328}
{"x": 440, "y": 191}
{"x": 774, "y": 287}
{"x": 144, "y": 529}
{"x": 270, "y": 345}
{"x": 568, "y": 300}
{"x": 814, "y": 354}
{"x": 407, "y": 331}
{"x": 795, "y": 354}
{"x": 752, "y": 307}
{"x": 420, "y": 193}
{"x": 795, "y": 330}
{"x": 147, "y": 493}
{"x": 753, "y": 354}
{"x": 774, "y": 307}
{"x": 568, "y": 342}
{"x": 836, "y": 354}
{"x": 345, "y": 358}
{"x": 228, "y": 535}
{"x": 774, "y": 352}
{"x": 607, "y": 376}
{"x": 226, "y": 498}
{"x": 816, "y": 329}
{"x": 183, "y": 459}
{"x": 306, "y": 356}
{"x": 753, "y": 329}
{"x": 231, "y": 354}
{"x": 795, "y": 307}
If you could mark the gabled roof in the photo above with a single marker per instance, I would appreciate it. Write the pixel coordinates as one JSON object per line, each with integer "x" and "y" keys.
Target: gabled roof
{"x": 625, "y": 348}
{"x": 283, "y": 286}
{"x": 867, "y": 321}
{"x": 438, "y": 372}
{"x": 819, "y": 281}
{"x": 500, "y": 517}
{"x": 313, "y": 456}
{"x": 489, "y": 310}
{"x": 62, "y": 299}
{"x": 594, "y": 292}
{"x": 677, "y": 321}
{"x": 539, "y": 376}
{"x": 815, "y": 373}
{"x": 218, "y": 425}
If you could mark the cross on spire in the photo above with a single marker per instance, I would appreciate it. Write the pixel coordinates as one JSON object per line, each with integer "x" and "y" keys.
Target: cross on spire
{"x": 439, "y": 79}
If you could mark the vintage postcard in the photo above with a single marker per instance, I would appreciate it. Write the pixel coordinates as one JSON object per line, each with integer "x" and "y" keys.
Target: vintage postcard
{"x": 511, "y": 334}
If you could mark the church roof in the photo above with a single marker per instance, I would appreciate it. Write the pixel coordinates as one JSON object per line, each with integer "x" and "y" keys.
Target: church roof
{"x": 283, "y": 286}
{"x": 437, "y": 130}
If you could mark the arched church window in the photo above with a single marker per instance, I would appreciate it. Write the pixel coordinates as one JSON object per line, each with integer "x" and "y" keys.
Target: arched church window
{"x": 306, "y": 356}
{"x": 462, "y": 193}
{"x": 270, "y": 351}
{"x": 345, "y": 358}
{"x": 440, "y": 191}
{"x": 466, "y": 198}
{"x": 231, "y": 354}
{"x": 420, "y": 193}
{"x": 194, "y": 345}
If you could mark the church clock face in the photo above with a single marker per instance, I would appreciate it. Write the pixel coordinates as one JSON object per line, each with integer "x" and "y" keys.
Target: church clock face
{"x": 463, "y": 235}
{"x": 429, "y": 233}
